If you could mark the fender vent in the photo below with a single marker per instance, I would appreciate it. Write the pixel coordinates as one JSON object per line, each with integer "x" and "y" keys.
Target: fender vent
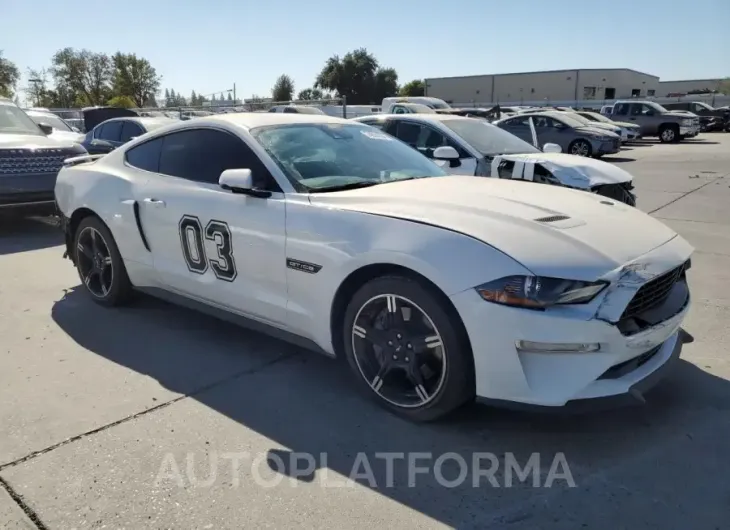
{"x": 552, "y": 219}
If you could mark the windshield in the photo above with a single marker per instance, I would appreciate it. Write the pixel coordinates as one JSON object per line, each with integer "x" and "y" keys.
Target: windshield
{"x": 656, "y": 106}
{"x": 569, "y": 120}
{"x": 319, "y": 156}
{"x": 308, "y": 110}
{"x": 488, "y": 139}
{"x": 704, "y": 105}
{"x": 438, "y": 105}
{"x": 14, "y": 121}
{"x": 51, "y": 119}
{"x": 594, "y": 116}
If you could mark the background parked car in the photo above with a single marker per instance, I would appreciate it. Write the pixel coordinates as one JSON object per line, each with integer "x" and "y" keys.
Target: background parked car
{"x": 110, "y": 134}
{"x": 573, "y": 136}
{"x": 631, "y": 130}
{"x": 30, "y": 158}
{"x": 470, "y": 146}
{"x": 655, "y": 120}
{"x": 61, "y": 129}
{"x": 296, "y": 109}
{"x": 711, "y": 119}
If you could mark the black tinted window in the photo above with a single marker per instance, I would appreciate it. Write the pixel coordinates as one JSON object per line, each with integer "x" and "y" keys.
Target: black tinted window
{"x": 145, "y": 156}
{"x": 408, "y": 133}
{"x": 130, "y": 130}
{"x": 111, "y": 131}
{"x": 203, "y": 154}
{"x": 97, "y": 132}
{"x": 621, "y": 108}
{"x": 290, "y": 110}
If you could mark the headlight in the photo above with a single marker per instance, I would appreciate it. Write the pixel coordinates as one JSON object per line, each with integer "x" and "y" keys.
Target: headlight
{"x": 535, "y": 292}
{"x": 687, "y": 122}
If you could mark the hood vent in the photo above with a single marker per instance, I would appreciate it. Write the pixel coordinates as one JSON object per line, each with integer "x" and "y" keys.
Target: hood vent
{"x": 552, "y": 219}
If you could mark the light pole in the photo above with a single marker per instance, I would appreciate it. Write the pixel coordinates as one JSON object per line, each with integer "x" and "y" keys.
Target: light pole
{"x": 37, "y": 82}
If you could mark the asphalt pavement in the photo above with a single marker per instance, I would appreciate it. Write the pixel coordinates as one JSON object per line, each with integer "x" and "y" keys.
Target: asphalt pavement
{"x": 153, "y": 416}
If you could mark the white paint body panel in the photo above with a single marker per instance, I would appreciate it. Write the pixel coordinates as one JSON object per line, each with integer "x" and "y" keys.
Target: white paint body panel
{"x": 459, "y": 232}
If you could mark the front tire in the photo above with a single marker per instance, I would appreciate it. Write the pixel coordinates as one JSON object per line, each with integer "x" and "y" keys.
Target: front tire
{"x": 407, "y": 349}
{"x": 580, "y": 148}
{"x": 99, "y": 263}
{"x": 668, "y": 134}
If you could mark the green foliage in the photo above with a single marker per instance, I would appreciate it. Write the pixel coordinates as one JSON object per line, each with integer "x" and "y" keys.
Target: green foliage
{"x": 283, "y": 89}
{"x": 134, "y": 77}
{"x": 124, "y": 102}
{"x": 358, "y": 77}
{"x": 724, "y": 86}
{"x": 413, "y": 89}
{"x": 9, "y": 77}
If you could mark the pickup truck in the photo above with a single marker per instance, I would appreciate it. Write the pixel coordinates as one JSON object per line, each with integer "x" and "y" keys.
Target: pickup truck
{"x": 711, "y": 119}
{"x": 655, "y": 120}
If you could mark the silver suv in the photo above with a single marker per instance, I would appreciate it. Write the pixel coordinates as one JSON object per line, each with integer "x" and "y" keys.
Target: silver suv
{"x": 655, "y": 120}
{"x": 29, "y": 161}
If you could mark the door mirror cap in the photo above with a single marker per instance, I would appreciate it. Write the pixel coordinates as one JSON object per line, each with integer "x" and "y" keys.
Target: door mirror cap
{"x": 240, "y": 181}
{"x": 445, "y": 152}
{"x": 552, "y": 148}
{"x": 47, "y": 129}
{"x": 102, "y": 144}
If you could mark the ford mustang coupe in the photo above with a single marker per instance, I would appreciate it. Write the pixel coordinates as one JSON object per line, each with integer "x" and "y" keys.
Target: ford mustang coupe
{"x": 436, "y": 288}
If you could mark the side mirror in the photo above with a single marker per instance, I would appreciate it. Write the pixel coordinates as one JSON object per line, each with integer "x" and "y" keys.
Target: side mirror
{"x": 47, "y": 129}
{"x": 551, "y": 148}
{"x": 101, "y": 145}
{"x": 445, "y": 152}
{"x": 240, "y": 181}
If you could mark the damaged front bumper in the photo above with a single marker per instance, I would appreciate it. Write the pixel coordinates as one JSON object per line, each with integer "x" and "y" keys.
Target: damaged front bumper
{"x": 629, "y": 358}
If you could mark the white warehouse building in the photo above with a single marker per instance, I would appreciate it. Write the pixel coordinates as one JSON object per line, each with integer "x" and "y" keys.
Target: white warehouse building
{"x": 554, "y": 87}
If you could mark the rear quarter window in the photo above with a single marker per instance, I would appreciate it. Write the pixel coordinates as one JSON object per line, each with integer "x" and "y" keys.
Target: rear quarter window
{"x": 145, "y": 156}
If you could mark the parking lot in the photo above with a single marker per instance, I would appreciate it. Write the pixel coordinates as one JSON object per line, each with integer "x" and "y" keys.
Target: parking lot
{"x": 128, "y": 418}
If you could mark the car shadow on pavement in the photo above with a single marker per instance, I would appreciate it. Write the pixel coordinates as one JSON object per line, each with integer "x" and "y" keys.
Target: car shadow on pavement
{"x": 307, "y": 403}
{"x": 24, "y": 234}
{"x": 617, "y": 159}
{"x": 654, "y": 141}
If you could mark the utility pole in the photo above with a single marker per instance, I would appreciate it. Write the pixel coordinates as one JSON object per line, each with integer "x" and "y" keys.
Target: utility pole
{"x": 234, "y": 93}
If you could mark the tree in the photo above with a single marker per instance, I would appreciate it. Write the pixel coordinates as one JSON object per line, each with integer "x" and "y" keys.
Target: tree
{"x": 124, "y": 102}
{"x": 723, "y": 86}
{"x": 283, "y": 89}
{"x": 134, "y": 77}
{"x": 9, "y": 77}
{"x": 358, "y": 77}
{"x": 312, "y": 94}
{"x": 84, "y": 77}
{"x": 413, "y": 88}
{"x": 230, "y": 97}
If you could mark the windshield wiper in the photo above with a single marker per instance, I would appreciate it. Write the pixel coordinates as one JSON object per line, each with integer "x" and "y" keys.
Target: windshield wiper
{"x": 345, "y": 187}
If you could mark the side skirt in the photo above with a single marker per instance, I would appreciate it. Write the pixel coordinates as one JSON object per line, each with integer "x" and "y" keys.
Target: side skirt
{"x": 234, "y": 318}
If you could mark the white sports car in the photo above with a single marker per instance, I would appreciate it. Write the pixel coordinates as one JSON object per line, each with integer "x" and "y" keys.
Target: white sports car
{"x": 332, "y": 234}
{"x": 469, "y": 146}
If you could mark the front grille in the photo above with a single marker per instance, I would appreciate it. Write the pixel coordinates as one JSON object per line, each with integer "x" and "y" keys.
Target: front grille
{"x": 619, "y": 192}
{"x": 25, "y": 161}
{"x": 654, "y": 292}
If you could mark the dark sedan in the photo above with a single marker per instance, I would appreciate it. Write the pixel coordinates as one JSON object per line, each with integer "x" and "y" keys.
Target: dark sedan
{"x": 112, "y": 133}
{"x": 573, "y": 136}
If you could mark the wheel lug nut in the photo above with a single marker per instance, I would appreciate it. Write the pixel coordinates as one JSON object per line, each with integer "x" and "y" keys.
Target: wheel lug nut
{"x": 409, "y": 346}
{"x": 406, "y": 359}
{"x": 395, "y": 357}
{"x": 390, "y": 343}
{"x": 398, "y": 335}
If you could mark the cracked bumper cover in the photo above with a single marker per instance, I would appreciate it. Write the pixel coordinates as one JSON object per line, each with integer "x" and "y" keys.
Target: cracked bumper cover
{"x": 555, "y": 379}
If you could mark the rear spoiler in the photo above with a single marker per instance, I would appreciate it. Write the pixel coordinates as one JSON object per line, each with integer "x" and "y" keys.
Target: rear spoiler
{"x": 69, "y": 162}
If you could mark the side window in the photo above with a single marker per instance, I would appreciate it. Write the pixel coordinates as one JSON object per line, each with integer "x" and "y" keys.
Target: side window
{"x": 145, "y": 156}
{"x": 521, "y": 121}
{"x": 272, "y": 109}
{"x": 408, "y": 133}
{"x": 635, "y": 110}
{"x": 622, "y": 109}
{"x": 97, "y": 130}
{"x": 397, "y": 109}
{"x": 646, "y": 110}
{"x": 201, "y": 155}
{"x": 130, "y": 130}
{"x": 379, "y": 124}
{"x": 697, "y": 109}
{"x": 111, "y": 131}
{"x": 290, "y": 110}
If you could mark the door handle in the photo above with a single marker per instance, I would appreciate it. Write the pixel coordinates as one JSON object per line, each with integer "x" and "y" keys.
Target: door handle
{"x": 155, "y": 202}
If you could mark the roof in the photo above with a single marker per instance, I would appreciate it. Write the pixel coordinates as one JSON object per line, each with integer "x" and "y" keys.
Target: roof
{"x": 147, "y": 123}
{"x": 414, "y": 117}
{"x": 249, "y": 120}
{"x": 573, "y": 70}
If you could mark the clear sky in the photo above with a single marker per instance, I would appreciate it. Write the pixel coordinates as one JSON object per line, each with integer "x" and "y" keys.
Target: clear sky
{"x": 208, "y": 46}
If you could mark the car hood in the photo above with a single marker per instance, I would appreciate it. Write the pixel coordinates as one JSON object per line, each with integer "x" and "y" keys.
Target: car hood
{"x": 681, "y": 113}
{"x": 627, "y": 125}
{"x": 575, "y": 171}
{"x": 28, "y": 141}
{"x": 590, "y": 129}
{"x": 67, "y": 136}
{"x": 604, "y": 126}
{"x": 551, "y": 230}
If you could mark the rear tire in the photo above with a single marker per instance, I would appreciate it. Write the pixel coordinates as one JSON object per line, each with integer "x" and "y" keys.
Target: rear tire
{"x": 407, "y": 349}
{"x": 99, "y": 263}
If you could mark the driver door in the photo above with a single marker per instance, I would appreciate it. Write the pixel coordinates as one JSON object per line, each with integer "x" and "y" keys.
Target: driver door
{"x": 210, "y": 244}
